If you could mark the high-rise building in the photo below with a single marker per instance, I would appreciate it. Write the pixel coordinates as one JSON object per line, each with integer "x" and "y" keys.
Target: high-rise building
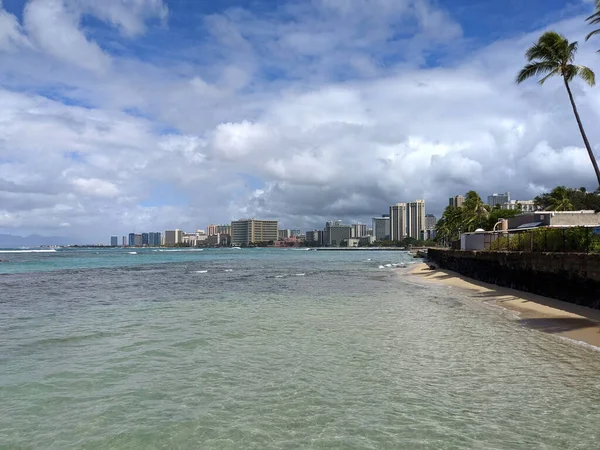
{"x": 498, "y": 199}
{"x": 124, "y": 241}
{"x": 154, "y": 239}
{"x": 173, "y": 237}
{"x": 114, "y": 241}
{"x": 381, "y": 227}
{"x": 430, "y": 221}
{"x": 335, "y": 233}
{"x": 284, "y": 234}
{"x": 212, "y": 230}
{"x": 456, "y": 201}
{"x": 294, "y": 233}
{"x": 315, "y": 236}
{"x": 131, "y": 241}
{"x": 145, "y": 240}
{"x": 137, "y": 240}
{"x": 359, "y": 230}
{"x": 224, "y": 229}
{"x": 398, "y": 221}
{"x": 247, "y": 231}
{"x": 416, "y": 219}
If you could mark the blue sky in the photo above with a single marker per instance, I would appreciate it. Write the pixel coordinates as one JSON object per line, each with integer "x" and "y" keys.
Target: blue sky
{"x": 180, "y": 113}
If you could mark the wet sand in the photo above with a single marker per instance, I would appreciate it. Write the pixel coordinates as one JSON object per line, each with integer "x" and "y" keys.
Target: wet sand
{"x": 541, "y": 313}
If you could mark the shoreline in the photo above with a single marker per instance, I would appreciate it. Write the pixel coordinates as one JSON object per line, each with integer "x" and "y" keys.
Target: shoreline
{"x": 567, "y": 320}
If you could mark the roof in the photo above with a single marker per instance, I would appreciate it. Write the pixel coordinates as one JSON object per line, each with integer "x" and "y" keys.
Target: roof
{"x": 529, "y": 225}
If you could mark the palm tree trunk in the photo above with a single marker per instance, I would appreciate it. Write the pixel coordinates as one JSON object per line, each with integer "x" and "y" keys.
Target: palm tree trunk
{"x": 583, "y": 135}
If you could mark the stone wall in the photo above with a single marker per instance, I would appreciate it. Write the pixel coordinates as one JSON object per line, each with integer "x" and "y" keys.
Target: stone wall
{"x": 572, "y": 277}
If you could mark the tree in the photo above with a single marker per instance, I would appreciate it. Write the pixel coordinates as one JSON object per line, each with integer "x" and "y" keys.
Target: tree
{"x": 594, "y": 19}
{"x": 553, "y": 55}
{"x": 475, "y": 212}
{"x": 449, "y": 226}
{"x": 567, "y": 199}
{"x": 498, "y": 214}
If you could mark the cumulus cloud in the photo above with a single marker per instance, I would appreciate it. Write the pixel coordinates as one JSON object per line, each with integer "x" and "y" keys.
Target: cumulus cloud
{"x": 278, "y": 117}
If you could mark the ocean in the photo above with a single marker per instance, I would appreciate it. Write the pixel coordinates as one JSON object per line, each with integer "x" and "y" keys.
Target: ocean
{"x": 274, "y": 349}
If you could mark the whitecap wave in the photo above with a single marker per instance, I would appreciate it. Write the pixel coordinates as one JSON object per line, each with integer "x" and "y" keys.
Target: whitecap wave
{"x": 228, "y": 270}
{"x": 300, "y": 274}
{"x": 201, "y": 271}
{"x": 278, "y": 276}
{"x": 132, "y": 253}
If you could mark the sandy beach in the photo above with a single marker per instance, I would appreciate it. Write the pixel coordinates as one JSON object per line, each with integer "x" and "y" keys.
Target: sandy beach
{"x": 541, "y": 313}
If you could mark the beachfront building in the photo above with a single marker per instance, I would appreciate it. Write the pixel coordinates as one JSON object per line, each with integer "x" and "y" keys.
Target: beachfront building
{"x": 145, "y": 239}
{"x": 498, "y": 199}
{"x": 248, "y": 231}
{"x": 359, "y": 230}
{"x": 154, "y": 239}
{"x": 284, "y": 234}
{"x": 173, "y": 237}
{"x": 381, "y": 227}
{"x": 224, "y": 229}
{"x": 336, "y": 233}
{"x": 415, "y": 219}
{"x": 114, "y": 241}
{"x": 315, "y": 236}
{"x": 137, "y": 240}
{"x": 398, "y": 221}
{"x": 456, "y": 201}
{"x": 212, "y": 230}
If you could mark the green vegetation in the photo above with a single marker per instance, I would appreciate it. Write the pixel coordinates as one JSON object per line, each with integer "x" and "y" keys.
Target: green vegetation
{"x": 594, "y": 19}
{"x": 473, "y": 214}
{"x": 576, "y": 239}
{"x": 567, "y": 199}
{"x": 553, "y": 55}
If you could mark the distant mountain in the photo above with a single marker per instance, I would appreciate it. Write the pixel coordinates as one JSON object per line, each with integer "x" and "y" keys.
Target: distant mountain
{"x": 33, "y": 240}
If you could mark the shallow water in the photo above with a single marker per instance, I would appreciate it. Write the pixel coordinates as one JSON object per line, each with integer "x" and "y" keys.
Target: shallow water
{"x": 231, "y": 349}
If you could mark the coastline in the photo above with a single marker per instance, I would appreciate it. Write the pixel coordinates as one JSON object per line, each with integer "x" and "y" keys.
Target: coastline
{"x": 545, "y": 314}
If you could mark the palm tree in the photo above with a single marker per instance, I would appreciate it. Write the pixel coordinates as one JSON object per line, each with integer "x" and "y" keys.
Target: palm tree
{"x": 594, "y": 19}
{"x": 553, "y": 55}
{"x": 449, "y": 226}
{"x": 560, "y": 200}
{"x": 475, "y": 212}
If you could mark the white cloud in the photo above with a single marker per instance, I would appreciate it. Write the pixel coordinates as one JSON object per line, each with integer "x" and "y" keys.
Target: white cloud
{"x": 56, "y": 30}
{"x": 11, "y": 32}
{"x": 95, "y": 187}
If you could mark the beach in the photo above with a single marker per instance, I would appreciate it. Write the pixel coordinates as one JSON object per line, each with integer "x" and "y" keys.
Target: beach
{"x": 545, "y": 314}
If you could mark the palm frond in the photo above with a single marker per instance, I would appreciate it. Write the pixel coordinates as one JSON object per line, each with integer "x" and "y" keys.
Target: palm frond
{"x": 586, "y": 74}
{"x": 550, "y": 75}
{"x": 537, "y": 51}
{"x": 593, "y": 33}
{"x": 535, "y": 69}
{"x": 570, "y": 51}
{"x": 596, "y": 15}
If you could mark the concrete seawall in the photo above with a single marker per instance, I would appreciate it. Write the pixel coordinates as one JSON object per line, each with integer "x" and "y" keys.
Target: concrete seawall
{"x": 572, "y": 277}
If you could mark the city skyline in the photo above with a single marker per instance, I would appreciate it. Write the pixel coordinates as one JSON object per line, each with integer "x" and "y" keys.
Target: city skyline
{"x": 181, "y": 112}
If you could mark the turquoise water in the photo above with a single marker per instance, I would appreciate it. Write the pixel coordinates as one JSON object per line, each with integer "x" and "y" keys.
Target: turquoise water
{"x": 272, "y": 349}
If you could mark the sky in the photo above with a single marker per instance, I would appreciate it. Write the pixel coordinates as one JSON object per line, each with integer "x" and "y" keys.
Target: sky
{"x": 139, "y": 115}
